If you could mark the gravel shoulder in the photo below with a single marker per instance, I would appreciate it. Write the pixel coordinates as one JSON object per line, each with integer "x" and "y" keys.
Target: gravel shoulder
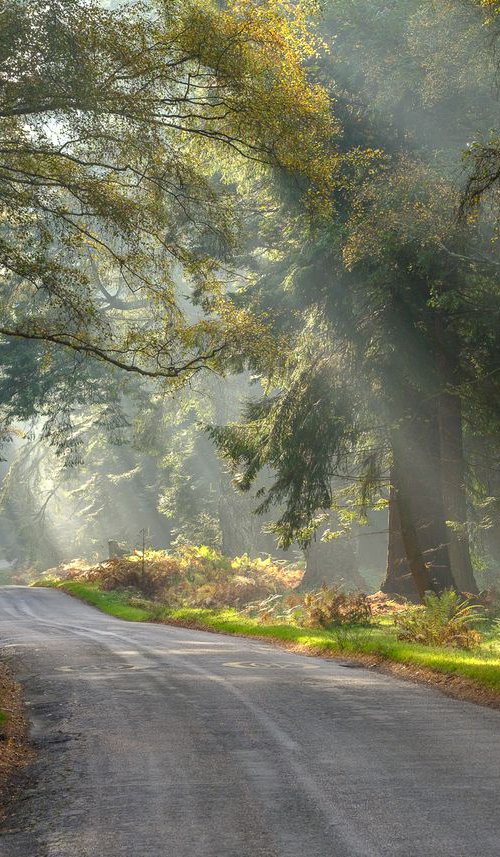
{"x": 155, "y": 741}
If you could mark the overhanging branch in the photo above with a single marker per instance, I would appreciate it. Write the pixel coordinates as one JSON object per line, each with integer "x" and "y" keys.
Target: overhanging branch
{"x": 75, "y": 344}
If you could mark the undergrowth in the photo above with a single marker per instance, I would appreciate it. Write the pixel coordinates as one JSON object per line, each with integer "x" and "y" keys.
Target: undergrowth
{"x": 442, "y": 620}
{"x": 198, "y": 576}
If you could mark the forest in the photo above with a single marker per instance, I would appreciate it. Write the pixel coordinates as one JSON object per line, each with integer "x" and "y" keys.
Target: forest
{"x": 249, "y": 428}
{"x": 249, "y": 288}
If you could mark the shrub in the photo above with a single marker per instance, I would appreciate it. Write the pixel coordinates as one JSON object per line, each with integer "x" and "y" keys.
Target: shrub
{"x": 191, "y": 576}
{"x": 442, "y": 620}
{"x": 329, "y": 607}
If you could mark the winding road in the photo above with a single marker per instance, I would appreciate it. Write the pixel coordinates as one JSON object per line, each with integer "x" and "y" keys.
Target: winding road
{"x": 156, "y": 741}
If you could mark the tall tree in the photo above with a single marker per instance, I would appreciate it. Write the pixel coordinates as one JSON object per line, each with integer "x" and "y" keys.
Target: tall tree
{"x": 396, "y": 285}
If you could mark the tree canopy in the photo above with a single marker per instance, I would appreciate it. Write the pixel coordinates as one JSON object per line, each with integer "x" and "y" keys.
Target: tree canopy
{"x": 306, "y": 193}
{"x": 109, "y": 123}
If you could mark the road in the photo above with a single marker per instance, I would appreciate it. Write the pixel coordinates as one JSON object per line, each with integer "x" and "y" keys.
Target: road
{"x": 164, "y": 742}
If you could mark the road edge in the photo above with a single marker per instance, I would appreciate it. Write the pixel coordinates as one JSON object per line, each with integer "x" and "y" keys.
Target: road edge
{"x": 452, "y": 685}
{"x": 16, "y": 750}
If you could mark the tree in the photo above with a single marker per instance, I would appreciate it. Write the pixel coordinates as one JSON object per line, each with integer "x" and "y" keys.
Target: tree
{"x": 396, "y": 286}
{"x": 482, "y": 157}
{"x": 109, "y": 121}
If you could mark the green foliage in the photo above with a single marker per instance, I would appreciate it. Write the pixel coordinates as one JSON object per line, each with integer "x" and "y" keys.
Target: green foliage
{"x": 393, "y": 302}
{"x": 193, "y": 576}
{"x": 443, "y": 620}
{"x": 108, "y": 189}
{"x": 304, "y": 434}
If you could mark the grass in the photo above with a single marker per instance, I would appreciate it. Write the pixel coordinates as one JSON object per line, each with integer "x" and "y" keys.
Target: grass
{"x": 482, "y": 666}
{"x": 115, "y": 603}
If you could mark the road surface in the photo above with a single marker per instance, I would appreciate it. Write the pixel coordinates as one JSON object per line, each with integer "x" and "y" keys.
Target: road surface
{"x": 164, "y": 742}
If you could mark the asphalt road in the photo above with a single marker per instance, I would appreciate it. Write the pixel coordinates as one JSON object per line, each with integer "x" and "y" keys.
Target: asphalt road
{"x": 163, "y": 742}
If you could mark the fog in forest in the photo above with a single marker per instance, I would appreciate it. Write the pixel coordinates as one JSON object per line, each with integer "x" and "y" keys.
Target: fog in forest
{"x": 249, "y": 428}
{"x": 334, "y": 321}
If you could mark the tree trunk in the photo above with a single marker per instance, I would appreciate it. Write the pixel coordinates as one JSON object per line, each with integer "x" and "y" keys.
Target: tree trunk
{"x": 417, "y": 476}
{"x": 491, "y": 535}
{"x": 399, "y": 579}
{"x": 419, "y": 568}
{"x": 454, "y": 498}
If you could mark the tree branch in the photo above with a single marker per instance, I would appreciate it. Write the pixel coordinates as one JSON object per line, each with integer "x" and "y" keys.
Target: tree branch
{"x": 72, "y": 342}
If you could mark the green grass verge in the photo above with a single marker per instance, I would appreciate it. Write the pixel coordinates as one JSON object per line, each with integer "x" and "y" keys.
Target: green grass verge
{"x": 481, "y": 666}
{"x": 115, "y": 603}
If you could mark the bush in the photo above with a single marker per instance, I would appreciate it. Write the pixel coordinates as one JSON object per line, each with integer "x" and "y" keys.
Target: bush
{"x": 442, "y": 620}
{"x": 329, "y": 607}
{"x": 190, "y": 577}
{"x": 490, "y": 600}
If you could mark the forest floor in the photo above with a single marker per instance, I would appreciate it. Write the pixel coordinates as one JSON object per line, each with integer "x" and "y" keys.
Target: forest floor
{"x": 15, "y": 749}
{"x": 472, "y": 675}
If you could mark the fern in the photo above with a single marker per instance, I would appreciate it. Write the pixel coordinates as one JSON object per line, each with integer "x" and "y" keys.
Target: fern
{"x": 442, "y": 620}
